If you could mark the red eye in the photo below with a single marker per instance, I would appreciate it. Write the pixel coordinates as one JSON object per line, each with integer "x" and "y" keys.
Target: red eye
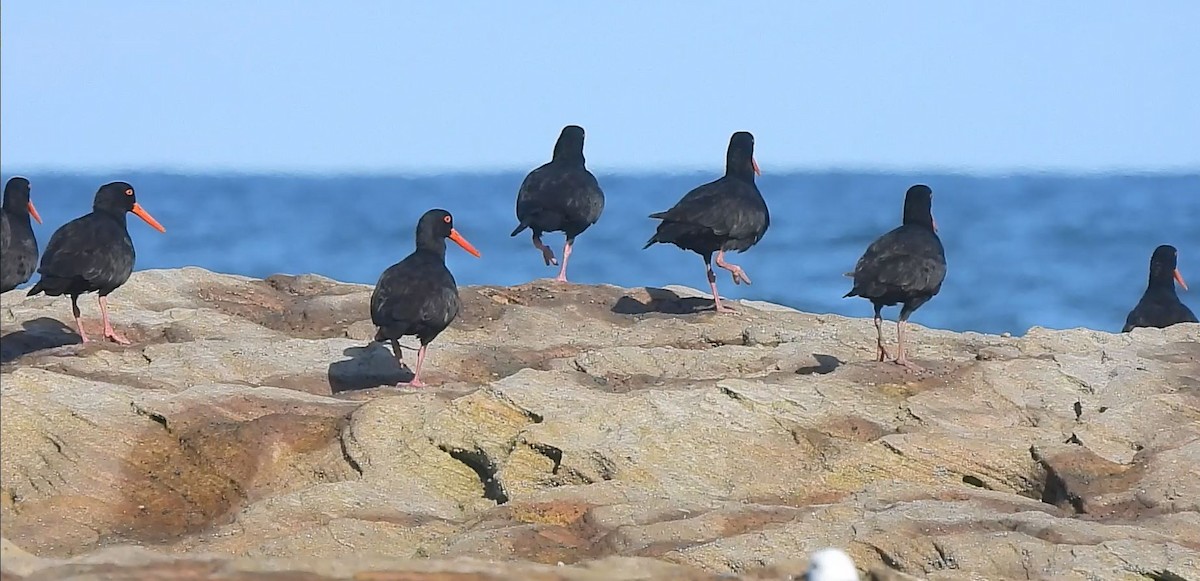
{"x": 129, "y": 192}
{"x": 447, "y": 219}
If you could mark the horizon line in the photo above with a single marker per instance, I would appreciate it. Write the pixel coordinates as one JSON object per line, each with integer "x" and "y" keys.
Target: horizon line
{"x": 428, "y": 171}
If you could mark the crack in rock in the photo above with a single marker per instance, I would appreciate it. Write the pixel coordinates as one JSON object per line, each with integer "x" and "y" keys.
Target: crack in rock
{"x": 483, "y": 466}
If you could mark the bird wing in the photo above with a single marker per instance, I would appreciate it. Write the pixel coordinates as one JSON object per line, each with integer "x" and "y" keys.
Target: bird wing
{"x": 5, "y": 233}
{"x": 727, "y": 206}
{"x": 402, "y": 295}
{"x": 551, "y": 188}
{"x": 73, "y": 252}
{"x": 902, "y": 259}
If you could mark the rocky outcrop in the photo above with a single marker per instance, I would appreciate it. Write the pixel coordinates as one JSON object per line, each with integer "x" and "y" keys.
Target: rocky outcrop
{"x": 581, "y": 432}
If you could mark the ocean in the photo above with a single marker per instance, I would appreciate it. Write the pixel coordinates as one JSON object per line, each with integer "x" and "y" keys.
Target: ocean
{"x": 1055, "y": 251}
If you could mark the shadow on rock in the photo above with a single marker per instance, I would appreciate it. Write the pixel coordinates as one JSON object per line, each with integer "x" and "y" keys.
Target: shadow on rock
{"x": 825, "y": 364}
{"x": 37, "y": 334}
{"x": 368, "y": 367}
{"x": 662, "y": 301}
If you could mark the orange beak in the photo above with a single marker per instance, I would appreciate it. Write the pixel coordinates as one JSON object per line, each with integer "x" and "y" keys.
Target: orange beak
{"x": 143, "y": 214}
{"x": 459, "y": 240}
{"x": 1179, "y": 279}
{"x": 757, "y": 171}
{"x": 33, "y": 212}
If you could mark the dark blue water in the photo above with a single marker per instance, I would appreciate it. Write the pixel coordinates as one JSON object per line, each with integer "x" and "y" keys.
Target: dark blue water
{"x": 1054, "y": 251}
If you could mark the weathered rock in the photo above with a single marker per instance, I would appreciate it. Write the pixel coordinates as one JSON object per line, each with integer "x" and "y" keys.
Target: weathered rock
{"x": 581, "y": 432}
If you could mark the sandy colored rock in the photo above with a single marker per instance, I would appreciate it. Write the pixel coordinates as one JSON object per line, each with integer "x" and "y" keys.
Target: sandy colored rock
{"x": 581, "y": 432}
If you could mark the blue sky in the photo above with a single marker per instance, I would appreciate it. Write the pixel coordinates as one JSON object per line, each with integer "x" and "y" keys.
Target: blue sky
{"x": 275, "y": 85}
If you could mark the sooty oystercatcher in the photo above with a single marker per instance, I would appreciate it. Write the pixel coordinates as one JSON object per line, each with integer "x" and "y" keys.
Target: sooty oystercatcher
{"x": 18, "y": 246}
{"x": 1160, "y": 306}
{"x": 906, "y": 265}
{"x": 93, "y": 253}
{"x": 725, "y": 215}
{"x": 418, "y": 295}
{"x": 560, "y": 196}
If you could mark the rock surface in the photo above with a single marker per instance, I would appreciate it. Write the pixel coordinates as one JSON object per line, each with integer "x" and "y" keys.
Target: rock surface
{"x": 581, "y": 432}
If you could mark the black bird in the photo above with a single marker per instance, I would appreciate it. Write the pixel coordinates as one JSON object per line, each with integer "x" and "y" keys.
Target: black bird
{"x": 560, "y": 196}
{"x": 721, "y": 216}
{"x": 906, "y": 265}
{"x": 418, "y": 295}
{"x": 1160, "y": 306}
{"x": 18, "y": 246}
{"x": 93, "y": 253}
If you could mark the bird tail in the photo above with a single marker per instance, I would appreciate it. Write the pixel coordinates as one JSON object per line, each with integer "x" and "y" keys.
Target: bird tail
{"x": 37, "y": 288}
{"x": 655, "y": 238}
{"x": 523, "y": 225}
{"x": 853, "y": 293}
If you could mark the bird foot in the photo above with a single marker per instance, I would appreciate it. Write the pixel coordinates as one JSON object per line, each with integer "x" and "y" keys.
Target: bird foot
{"x": 561, "y": 278}
{"x": 112, "y": 335}
{"x": 721, "y": 308}
{"x": 909, "y": 365}
{"x": 883, "y": 354}
{"x": 739, "y": 275}
{"x": 414, "y": 383}
{"x": 548, "y": 256}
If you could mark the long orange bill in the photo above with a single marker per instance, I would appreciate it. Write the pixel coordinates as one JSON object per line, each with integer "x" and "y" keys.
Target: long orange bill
{"x": 1179, "y": 279}
{"x": 33, "y": 212}
{"x": 755, "y": 164}
{"x": 143, "y": 214}
{"x": 459, "y": 240}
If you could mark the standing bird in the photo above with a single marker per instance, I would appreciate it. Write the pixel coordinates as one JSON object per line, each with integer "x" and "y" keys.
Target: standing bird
{"x": 560, "y": 196}
{"x": 18, "y": 246}
{"x": 93, "y": 253}
{"x": 906, "y": 265}
{"x": 721, "y": 216}
{"x": 418, "y": 295}
{"x": 1160, "y": 306}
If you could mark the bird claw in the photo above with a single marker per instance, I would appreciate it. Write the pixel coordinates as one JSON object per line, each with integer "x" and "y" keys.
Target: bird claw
{"x": 739, "y": 275}
{"x": 115, "y": 337}
{"x": 414, "y": 383}
{"x": 548, "y": 256}
{"x": 909, "y": 365}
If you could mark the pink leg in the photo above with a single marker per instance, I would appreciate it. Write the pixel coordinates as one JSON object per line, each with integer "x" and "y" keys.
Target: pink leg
{"x": 109, "y": 332}
{"x": 739, "y": 275}
{"x": 562, "y": 272}
{"x": 712, "y": 283}
{"x": 416, "y": 380}
{"x": 547, "y": 254}
{"x": 901, "y": 358}
{"x": 78, "y": 322}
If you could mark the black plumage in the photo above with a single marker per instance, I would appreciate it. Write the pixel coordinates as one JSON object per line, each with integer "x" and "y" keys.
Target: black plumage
{"x": 1160, "y": 305}
{"x": 18, "y": 245}
{"x": 418, "y": 295}
{"x": 725, "y": 215}
{"x": 560, "y": 196}
{"x": 93, "y": 253}
{"x": 906, "y": 265}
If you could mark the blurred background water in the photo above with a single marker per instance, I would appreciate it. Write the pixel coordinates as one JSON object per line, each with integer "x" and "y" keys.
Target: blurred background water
{"x": 1023, "y": 250}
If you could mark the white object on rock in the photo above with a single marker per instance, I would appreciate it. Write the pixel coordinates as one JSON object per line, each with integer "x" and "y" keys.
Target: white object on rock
{"x": 831, "y": 565}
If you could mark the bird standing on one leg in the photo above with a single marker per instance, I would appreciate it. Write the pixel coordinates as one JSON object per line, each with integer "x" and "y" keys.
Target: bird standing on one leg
{"x": 94, "y": 253}
{"x": 18, "y": 245}
{"x": 1160, "y": 305}
{"x": 418, "y": 295}
{"x": 906, "y": 265}
{"x": 725, "y": 215}
{"x": 560, "y": 196}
